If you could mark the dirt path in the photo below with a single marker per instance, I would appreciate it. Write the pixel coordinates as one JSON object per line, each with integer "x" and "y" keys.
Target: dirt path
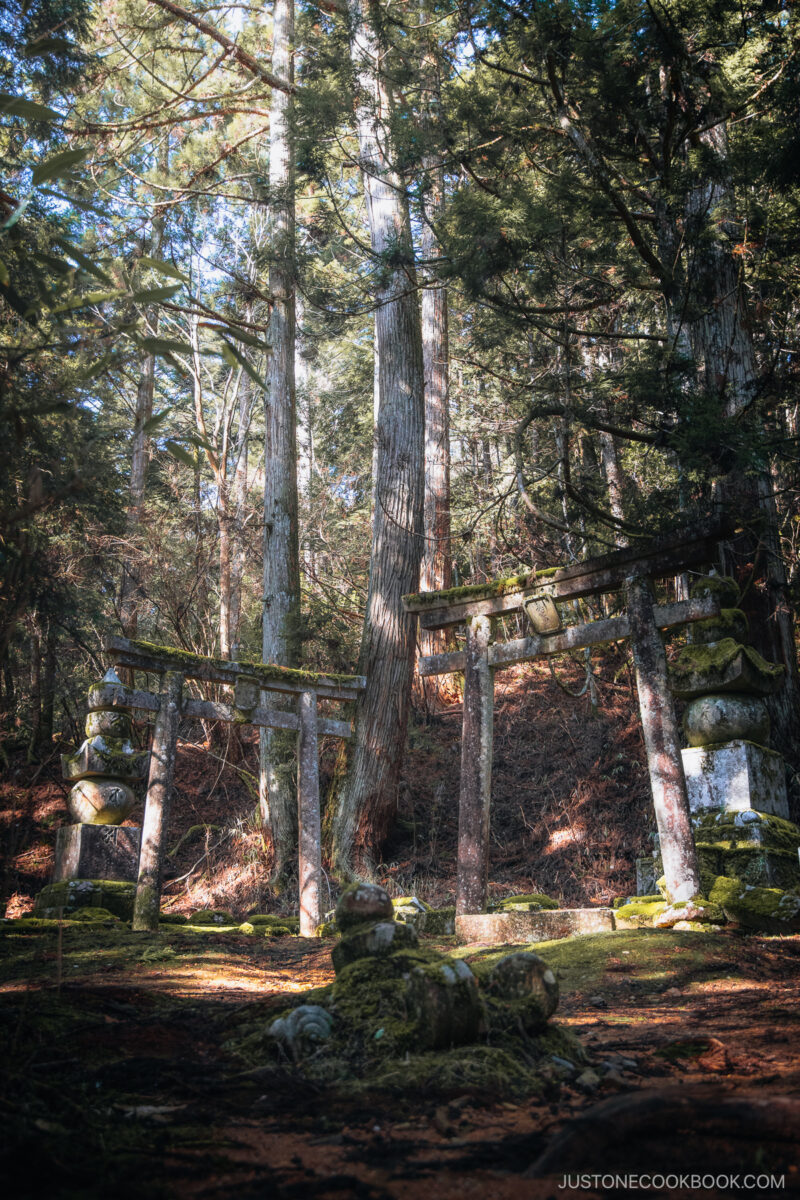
{"x": 122, "y": 1083}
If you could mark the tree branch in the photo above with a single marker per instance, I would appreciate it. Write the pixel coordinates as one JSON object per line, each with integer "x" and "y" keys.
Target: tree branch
{"x": 236, "y": 52}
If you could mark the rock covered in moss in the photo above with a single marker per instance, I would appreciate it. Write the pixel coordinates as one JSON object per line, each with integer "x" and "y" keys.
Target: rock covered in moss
{"x": 212, "y": 916}
{"x": 411, "y": 1000}
{"x": 721, "y": 718}
{"x": 767, "y": 909}
{"x": 362, "y": 902}
{"x": 525, "y": 986}
{"x": 90, "y": 913}
{"x": 64, "y": 897}
{"x": 722, "y": 587}
{"x": 376, "y": 940}
{"x": 530, "y": 902}
{"x": 728, "y": 830}
{"x": 275, "y": 924}
{"x": 441, "y": 922}
{"x": 173, "y": 919}
{"x": 640, "y": 911}
{"x": 757, "y": 848}
{"x": 731, "y": 623}
{"x": 725, "y": 666}
{"x": 410, "y": 910}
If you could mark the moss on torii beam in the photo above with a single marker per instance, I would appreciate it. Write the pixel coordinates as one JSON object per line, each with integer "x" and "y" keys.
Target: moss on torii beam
{"x": 650, "y": 559}
{"x": 147, "y": 656}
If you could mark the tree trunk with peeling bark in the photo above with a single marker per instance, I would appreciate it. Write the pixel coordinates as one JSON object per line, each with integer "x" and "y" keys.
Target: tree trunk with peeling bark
{"x": 280, "y": 602}
{"x": 367, "y": 799}
{"x": 436, "y": 572}
{"x": 140, "y": 457}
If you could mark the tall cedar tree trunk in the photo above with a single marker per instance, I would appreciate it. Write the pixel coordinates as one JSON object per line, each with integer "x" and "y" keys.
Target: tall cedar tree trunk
{"x": 140, "y": 460}
{"x": 246, "y": 398}
{"x": 721, "y": 338}
{"x": 437, "y": 566}
{"x": 367, "y": 800}
{"x": 280, "y": 640}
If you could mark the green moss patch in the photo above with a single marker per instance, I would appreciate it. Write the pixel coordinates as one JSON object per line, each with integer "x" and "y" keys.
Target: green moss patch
{"x": 722, "y": 667}
{"x": 277, "y": 926}
{"x": 640, "y": 912}
{"x": 767, "y": 909}
{"x": 724, "y": 587}
{"x": 478, "y": 591}
{"x": 440, "y": 922}
{"x": 531, "y": 902}
{"x": 198, "y": 662}
{"x": 212, "y": 916}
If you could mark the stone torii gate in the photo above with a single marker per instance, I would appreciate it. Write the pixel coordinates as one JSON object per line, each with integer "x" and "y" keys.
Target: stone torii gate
{"x": 249, "y": 681}
{"x": 476, "y": 608}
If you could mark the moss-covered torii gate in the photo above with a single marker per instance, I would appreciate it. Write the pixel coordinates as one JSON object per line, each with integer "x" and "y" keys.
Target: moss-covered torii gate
{"x": 250, "y": 680}
{"x": 476, "y": 608}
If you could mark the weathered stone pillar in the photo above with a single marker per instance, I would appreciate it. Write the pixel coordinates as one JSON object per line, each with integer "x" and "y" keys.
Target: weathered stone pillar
{"x": 476, "y": 770}
{"x": 103, "y": 772}
{"x": 156, "y": 809}
{"x": 308, "y": 818}
{"x": 662, "y": 744}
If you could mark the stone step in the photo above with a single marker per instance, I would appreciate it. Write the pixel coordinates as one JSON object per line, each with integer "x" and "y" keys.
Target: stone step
{"x": 546, "y": 925}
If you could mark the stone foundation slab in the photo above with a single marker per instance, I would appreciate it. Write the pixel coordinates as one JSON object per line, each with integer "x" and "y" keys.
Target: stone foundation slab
{"x": 510, "y": 927}
{"x": 97, "y": 852}
{"x": 736, "y": 776}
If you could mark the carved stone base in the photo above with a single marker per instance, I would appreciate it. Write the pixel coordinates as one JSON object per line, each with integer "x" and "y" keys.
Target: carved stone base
{"x": 738, "y": 775}
{"x": 97, "y": 852}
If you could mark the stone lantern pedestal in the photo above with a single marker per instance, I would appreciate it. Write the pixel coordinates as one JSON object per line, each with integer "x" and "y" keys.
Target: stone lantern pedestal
{"x": 735, "y": 782}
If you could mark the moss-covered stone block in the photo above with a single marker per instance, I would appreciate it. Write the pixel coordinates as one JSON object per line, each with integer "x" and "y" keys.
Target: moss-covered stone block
{"x": 520, "y": 990}
{"x": 760, "y": 867}
{"x": 411, "y": 1000}
{"x": 725, "y": 666}
{"x": 373, "y": 940}
{"x": 441, "y": 922}
{"x": 771, "y": 910}
{"x": 104, "y": 756}
{"x": 731, "y": 623}
{"x": 410, "y": 910}
{"x": 721, "y": 587}
{"x": 727, "y": 830}
{"x": 97, "y": 915}
{"x": 68, "y": 895}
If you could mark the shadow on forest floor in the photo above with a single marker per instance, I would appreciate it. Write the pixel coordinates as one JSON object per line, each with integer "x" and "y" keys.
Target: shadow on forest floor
{"x": 120, "y": 1078}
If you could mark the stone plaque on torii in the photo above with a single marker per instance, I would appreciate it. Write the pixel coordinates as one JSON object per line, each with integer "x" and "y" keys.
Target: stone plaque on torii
{"x": 106, "y": 764}
{"x": 629, "y": 570}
